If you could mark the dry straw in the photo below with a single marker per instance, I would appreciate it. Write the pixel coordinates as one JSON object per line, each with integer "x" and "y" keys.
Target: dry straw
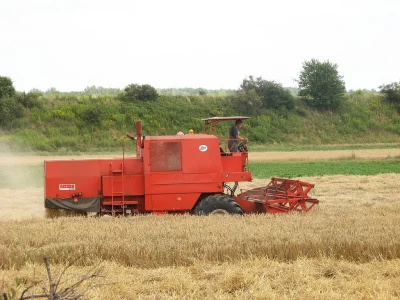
{"x": 349, "y": 247}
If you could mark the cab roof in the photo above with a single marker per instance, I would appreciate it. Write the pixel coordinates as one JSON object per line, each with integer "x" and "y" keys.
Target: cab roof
{"x": 214, "y": 120}
{"x": 180, "y": 137}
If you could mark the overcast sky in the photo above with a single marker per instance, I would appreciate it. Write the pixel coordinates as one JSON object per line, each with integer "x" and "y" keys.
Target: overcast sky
{"x": 71, "y": 44}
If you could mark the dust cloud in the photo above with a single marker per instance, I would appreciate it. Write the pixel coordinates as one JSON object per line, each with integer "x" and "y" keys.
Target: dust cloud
{"x": 21, "y": 187}
{"x": 21, "y": 204}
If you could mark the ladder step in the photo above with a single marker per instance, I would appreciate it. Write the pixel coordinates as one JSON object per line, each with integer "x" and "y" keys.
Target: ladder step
{"x": 120, "y": 202}
{"x": 115, "y": 210}
{"x": 118, "y": 210}
{"x": 117, "y": 171}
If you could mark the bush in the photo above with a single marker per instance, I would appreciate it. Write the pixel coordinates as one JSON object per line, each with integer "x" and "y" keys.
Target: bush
{"x": 52, "y": 91}
{"x": 202, "y": 92}
{"x": 30, "y": 100}
{"x": 392, "y": 93}
{"x": 10, "y": 110}
{"x": 6, "y": 87}
{"x": 247, "y": 102}
{"x": 92, "y": 115}
{"x": 272, "y": 94}
{"x": 140, "y": 92}
{"x": 321, "y": 83}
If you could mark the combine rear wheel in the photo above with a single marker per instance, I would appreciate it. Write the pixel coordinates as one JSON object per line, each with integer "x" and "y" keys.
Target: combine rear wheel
{"x": 218, "y": 204}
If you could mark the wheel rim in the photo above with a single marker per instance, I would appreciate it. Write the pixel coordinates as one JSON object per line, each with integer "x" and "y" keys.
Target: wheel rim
{"x": 219, "y": 212}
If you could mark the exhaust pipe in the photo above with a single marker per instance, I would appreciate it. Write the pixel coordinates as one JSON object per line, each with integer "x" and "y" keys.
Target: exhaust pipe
{"x": 139, "y": 138}
{"x": 139, "y": 131}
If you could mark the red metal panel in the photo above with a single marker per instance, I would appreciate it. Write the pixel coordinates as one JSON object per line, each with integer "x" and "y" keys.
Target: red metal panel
{"x": 186, "y": 183}
{"x": 237, "y": 176}
{"x": 165, "y": 156}
{"x": 166, "y": 178}
{"x": 148, "y": 204}
{"x": 171, "y": 202}
{"x": 232, "y": 163}
{"x": 133, "y": 185}
{"x": 131, "y": 165}
{"x": 191, "y": 187}
{"x": 84, "y": 176}
{"x": 201, "y": 155}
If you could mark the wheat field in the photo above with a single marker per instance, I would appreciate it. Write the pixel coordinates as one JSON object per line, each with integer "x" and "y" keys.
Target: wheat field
{"x": 349, "y": 247}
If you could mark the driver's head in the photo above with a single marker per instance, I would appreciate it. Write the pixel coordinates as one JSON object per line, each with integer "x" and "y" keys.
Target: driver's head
{"x": 238, "y": 123}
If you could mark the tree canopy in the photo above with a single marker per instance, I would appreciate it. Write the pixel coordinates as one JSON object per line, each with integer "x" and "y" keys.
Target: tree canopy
{"x": 6, "y": 87}
{"x": 321, "y": 83}
{"x": 257, "y": 93}
{"x": 392, "y": 93}
{"x": 140, "y": 92}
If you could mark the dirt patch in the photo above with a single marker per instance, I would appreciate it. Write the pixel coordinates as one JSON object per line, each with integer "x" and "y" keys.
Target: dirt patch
{"x": 324, "y": 155}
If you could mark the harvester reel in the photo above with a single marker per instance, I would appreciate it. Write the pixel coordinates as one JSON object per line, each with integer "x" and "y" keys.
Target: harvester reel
{"x": 218, "y": 204}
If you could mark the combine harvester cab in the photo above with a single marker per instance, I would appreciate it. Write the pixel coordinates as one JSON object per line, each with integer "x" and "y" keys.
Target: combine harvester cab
{"x": 170, "y": 174}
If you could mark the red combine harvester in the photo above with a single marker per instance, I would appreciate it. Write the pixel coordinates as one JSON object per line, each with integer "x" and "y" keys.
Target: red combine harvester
{"x": 170, "y": 174}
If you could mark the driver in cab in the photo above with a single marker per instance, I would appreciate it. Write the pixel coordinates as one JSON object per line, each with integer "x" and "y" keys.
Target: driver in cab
{"x": 234, "y": 136}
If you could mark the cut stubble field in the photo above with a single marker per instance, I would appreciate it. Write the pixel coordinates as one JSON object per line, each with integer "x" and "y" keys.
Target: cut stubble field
{"x": 349, "y": 247}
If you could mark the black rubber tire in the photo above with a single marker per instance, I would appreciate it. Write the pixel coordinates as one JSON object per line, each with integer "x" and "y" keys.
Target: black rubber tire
{"x": 218, "y": 202}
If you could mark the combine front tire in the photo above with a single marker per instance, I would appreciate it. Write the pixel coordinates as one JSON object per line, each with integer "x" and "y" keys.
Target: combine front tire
{"x": 218, "y": 204}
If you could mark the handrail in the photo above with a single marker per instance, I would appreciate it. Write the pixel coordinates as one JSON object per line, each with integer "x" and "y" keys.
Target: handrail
{"x": 122, "y": 187}
{"x": 245, "y": 165}
{"x": 112, "y": 189}
{"x": 226, "y": 142}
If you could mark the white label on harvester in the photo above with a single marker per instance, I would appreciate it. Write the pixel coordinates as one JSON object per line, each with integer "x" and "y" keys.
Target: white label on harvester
{"x": 66, "y": 187}
{"x": 203, "y": 148}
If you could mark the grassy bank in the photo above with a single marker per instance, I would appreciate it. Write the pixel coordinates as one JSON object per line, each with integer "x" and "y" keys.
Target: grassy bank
{"x": 68, "y": 123}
